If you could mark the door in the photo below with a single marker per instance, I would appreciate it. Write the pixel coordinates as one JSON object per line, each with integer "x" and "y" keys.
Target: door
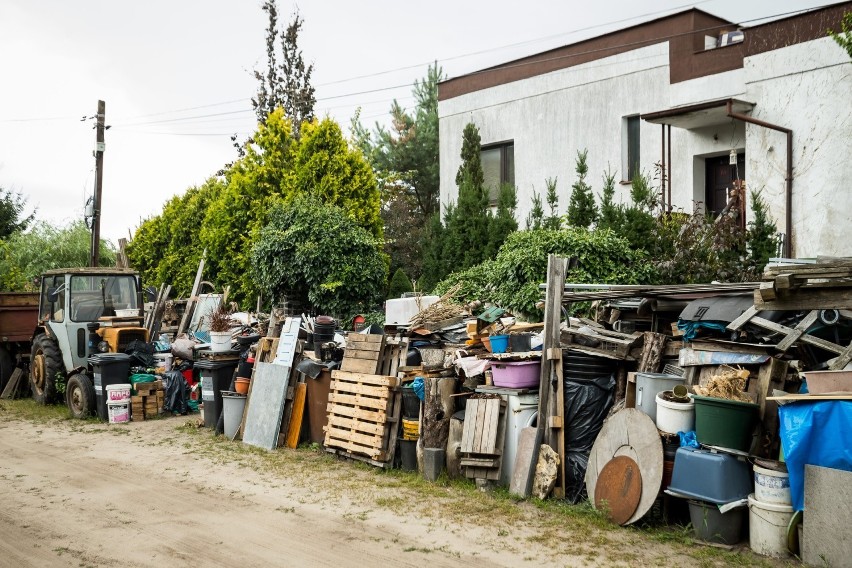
{"x": 720, "y": 177}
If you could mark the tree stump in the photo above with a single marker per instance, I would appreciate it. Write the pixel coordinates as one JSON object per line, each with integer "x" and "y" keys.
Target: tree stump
{"x": 652, "y": 352}
{"x": 437, "y": 411}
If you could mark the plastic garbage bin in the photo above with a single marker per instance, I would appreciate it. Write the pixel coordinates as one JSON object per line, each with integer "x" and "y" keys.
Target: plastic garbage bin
{"x": 108, "y": 369}
{"x": 215, "y": 377}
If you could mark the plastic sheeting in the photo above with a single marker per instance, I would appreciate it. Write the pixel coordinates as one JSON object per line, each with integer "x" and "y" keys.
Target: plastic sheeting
{"x": 814, "y": 433}
{"x": 690, "y": 329}
{"x": 587, "y": 404}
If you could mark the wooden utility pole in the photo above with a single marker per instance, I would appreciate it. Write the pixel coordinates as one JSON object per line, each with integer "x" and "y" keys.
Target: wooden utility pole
{"x": 95, "y": 251}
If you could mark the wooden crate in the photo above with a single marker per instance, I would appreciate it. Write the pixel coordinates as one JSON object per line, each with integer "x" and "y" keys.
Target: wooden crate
{"x": 363, "y": 415}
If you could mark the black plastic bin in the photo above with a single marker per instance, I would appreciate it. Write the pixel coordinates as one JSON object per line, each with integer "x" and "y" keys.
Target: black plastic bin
{"x": 108, "y": 369}
{"x": 215, "y": 377}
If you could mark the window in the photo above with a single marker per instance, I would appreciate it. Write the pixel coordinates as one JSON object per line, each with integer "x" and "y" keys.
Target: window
{"x": 630, "y": 148}
{"x": 498, "y": 168}
{"x": 100, "y": 295}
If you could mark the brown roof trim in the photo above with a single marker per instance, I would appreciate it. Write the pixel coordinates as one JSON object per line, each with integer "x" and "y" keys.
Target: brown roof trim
{"x": 685, "y": 33}
{"x": 607, "y": 45}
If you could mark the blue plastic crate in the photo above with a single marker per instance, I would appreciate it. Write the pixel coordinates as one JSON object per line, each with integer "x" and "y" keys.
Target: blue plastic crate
{"x": 709, "y": 476}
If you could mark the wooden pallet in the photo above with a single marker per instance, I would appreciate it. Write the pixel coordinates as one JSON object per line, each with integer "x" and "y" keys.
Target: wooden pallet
{"x": 483, "y": 436}
{"x": 374, "y": 354}
{"x": 144, "y": 407}
{"x": 363, "y": 415}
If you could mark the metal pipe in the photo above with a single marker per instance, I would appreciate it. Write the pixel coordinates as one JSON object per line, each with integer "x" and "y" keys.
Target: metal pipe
{"x": 663, "y": 169}
{"x": 669, "y": 180}
{"x": 788, "y": 246}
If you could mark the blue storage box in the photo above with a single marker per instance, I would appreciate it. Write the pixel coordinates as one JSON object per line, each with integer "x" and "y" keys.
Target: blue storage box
{"x": 709, "y": 476}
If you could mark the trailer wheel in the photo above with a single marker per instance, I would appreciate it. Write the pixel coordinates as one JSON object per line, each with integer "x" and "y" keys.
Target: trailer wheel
{"x": 80, "y": 396}
{"x": 7, "y": 365}
{"x": 45, "y": 364}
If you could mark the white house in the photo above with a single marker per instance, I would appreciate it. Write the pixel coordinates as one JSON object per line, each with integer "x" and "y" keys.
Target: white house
{"x": 683, "y": 92}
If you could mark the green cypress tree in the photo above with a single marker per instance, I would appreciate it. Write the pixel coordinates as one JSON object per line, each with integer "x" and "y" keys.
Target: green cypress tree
{"x": 399, "y": 284}
{"x": 468, "y": 224}
{"x": 761, "y": 237}
{"x": 552, "y": 221}
{"x": 611, "y": 216}
{"x": 582, "y": 211}
{"x": 503, "y": 224}
{"x": 535, "y": 218}
{"x": 433, "y": 254}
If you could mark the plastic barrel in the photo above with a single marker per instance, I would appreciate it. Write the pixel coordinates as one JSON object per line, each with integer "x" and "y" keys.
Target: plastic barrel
{"x": 233, "y": 405}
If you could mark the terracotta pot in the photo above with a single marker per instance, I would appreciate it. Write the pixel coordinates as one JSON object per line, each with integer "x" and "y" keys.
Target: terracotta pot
{"x": 242, "y": 385}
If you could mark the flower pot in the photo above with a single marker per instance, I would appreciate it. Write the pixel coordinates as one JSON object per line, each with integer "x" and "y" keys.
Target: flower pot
{"x": 241, "y": 385}
{"x": 220, "y": 341}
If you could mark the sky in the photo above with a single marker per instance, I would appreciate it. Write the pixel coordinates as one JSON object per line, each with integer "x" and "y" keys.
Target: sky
{"x": 177, "y": 78}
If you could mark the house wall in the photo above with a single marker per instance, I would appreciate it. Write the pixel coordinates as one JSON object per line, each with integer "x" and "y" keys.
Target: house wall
{"x": 806, "y": 87}
{"x": 551, "y": 117}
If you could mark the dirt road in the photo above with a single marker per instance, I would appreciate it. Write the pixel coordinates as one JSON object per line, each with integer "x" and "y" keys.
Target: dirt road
{"x": 158, "y": 493}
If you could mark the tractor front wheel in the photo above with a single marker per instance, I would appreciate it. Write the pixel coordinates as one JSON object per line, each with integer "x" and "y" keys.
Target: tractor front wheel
{"x": 80, "y": 396}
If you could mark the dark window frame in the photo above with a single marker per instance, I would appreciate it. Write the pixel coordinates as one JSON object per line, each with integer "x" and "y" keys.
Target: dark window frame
{"x": 633, "y": 152}
{"x": 507, "y": 169}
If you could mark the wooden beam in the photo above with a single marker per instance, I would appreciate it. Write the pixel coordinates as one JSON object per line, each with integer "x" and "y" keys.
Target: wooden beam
{"x": 798, "y": 331}
{"x": 743, "y": 319}
{"x": 808, "y": 298}
{"x": 810, "y": 339}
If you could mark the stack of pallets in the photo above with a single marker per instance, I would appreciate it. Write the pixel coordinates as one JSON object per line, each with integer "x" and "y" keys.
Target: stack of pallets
{"x": 365, "y": 401}
{"x": 148, "y": 402}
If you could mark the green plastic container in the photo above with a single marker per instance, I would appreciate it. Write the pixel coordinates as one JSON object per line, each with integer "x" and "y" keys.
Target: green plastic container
{"x": 725, "y": 423}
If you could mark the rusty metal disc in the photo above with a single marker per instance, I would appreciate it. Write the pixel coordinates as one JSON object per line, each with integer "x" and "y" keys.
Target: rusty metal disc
{"x": 619, "y": 489}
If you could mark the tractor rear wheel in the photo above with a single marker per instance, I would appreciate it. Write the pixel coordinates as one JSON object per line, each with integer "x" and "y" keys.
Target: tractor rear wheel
{"x": 45, "y": 365}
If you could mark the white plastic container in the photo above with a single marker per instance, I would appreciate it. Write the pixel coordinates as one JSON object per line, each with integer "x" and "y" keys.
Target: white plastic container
{"x": 220, "y": 341}
{"x": 772, "y": 486}
{"x": 164, "y": 360}
{"x": 768, "y": 524}
{"x": 118, "y": 393}
{"x": 119, "y": 412}
{"x": 399, "y": 311}
{"x": 674, "y": 417}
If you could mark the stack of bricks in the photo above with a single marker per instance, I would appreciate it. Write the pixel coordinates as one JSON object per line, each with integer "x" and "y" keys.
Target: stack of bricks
{"x": 148, "y": 401}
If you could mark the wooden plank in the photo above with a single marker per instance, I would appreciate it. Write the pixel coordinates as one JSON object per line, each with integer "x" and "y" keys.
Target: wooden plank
{"x": 359, "y": 365}
{"x": 358, "y": 400}
{"x": 193, "y": 297}
{"x": 798, "y": 331}
{"x": 365, "y": 378}
{"x": 361, "y": 354}
{"x": 479, "y": 462}
{"x": 359, "y": 413}
{"x": 816, "y": 341}
{"x": 479, "y": 423}
{"x": 350, "y": 435}
{"x": 296, "y": 416}
{"x": 489, "y": 429}
{"x": 842, "y": 360}
{"x": 743, "y": 319}
{"x": 363, "y": 426}
{"x": 13, "y": 383}
{"x": 471, "y": 411}
{"x": 809, "y": 299}
{"x": 490, "y": 441}
{"x": 353, "y": 388}
{"x": 355, "y": 448}
{"x": 362, "y": 338}
{"x": 766, "y": 291}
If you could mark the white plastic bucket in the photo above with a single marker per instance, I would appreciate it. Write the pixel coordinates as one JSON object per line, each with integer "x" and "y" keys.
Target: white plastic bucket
{"x": 220, "y": 341}
{"x": 164, "y": 360}
{"x": 119, "y": 412}
{"x": 118, "y": 393}
{"x": 772, "y": 486}
{"x": 674, "y": 417}
{"x": 768, "y": 524}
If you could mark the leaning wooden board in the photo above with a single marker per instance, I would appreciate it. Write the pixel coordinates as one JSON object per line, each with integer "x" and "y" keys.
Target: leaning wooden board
{"x": 632, "y": 433}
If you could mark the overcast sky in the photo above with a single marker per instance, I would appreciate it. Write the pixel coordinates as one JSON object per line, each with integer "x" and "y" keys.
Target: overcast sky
{"x": 176, "y": 76}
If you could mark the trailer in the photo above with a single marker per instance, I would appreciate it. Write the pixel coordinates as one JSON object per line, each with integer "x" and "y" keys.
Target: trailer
{"x": 18, "y": 321}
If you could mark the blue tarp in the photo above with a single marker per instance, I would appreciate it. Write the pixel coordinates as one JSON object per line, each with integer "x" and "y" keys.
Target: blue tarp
{"x": 690, "y": 329}
{"x": 814, "y": 433}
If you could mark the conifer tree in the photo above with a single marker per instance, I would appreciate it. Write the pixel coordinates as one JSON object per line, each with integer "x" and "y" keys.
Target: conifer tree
{"x": 610, "y": 213}
{"x": 535, "y": 218}
{"x": 503, "y": 223}
{"x": 761, "y": 237}
{"x": 552, "y": 221}
{"x": 582, "y": 211}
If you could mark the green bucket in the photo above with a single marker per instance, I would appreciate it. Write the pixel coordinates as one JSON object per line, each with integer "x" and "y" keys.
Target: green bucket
{"x": 725, "y": 423}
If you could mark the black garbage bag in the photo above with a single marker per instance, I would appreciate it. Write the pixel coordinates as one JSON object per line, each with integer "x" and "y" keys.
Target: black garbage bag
{"x": 575, "y": 476}
{"x": 142, "y": 353}
{"x": 176, "y": 394}
{"x": 587, "y": 403}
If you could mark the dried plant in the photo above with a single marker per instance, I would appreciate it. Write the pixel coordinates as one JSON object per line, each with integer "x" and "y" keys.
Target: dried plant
{"x": 220, "y": 316}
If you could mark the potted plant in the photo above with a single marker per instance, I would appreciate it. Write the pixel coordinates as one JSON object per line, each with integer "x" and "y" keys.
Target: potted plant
{"x": 220, "y": 326}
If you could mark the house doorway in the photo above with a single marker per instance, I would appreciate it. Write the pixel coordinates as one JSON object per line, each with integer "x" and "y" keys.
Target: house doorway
{"x": 721, "y": 175}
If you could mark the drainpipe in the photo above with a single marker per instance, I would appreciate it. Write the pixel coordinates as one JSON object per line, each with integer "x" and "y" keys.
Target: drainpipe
{"x": 788, "y": 247}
